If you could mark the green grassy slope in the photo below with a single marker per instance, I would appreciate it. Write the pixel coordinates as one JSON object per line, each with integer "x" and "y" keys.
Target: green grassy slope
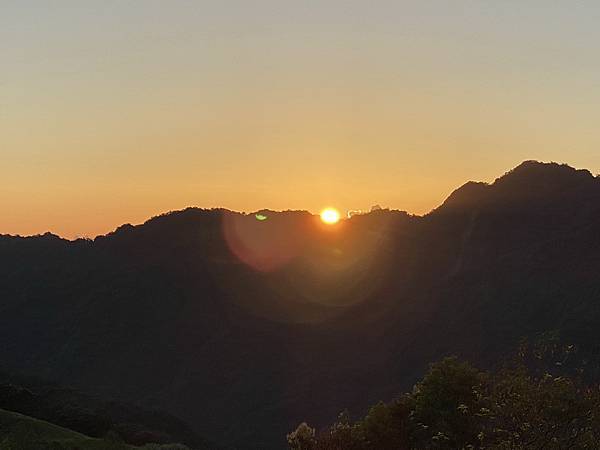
{"x": 19, "y": 432}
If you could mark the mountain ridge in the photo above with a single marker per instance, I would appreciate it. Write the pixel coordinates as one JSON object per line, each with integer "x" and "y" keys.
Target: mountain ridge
{"x": 243, "y": 327}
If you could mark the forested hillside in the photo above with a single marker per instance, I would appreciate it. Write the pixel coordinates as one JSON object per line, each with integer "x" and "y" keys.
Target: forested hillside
{"x": 243, "y": 328}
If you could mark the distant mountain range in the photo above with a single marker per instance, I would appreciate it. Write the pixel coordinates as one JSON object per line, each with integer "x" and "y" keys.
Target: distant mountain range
{"x": 243, "y": 327}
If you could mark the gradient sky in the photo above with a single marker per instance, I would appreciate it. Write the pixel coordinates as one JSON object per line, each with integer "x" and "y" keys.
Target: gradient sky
{"x": 114, "y": 111}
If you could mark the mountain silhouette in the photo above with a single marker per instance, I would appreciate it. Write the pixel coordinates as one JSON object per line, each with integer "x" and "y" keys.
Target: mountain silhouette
{"x": 243, "y": 326}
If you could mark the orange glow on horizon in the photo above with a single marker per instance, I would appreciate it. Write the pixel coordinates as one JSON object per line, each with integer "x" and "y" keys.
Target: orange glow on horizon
{"x": 283, "y": 108}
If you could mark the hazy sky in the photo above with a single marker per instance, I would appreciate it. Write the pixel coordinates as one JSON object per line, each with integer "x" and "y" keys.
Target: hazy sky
{"x": 113, "y": 111}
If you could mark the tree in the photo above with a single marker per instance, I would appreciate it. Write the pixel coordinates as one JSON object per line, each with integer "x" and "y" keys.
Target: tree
{"x": 386, "y": 426}
{"x": 302, "y": 438}
{"x": 445, "y": 405}
{"x": 456, "y": 406}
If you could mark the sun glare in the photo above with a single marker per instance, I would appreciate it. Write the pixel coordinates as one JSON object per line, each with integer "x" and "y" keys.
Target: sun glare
{"x": 330, "y": 216}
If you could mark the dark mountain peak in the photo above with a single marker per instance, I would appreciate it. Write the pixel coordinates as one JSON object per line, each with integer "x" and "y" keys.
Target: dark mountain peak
{"x": 173, "y": 222}
{"x": 467, "y": 196}
{"x": 50, "y": 236}
{"x": 125, "y": 228}
{"x": 547, "y": 176}
{"x": 533, "y": 184}
{"x": 530, "y": 183}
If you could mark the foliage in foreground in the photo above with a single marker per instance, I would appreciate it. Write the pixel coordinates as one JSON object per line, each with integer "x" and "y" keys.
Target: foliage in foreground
{"x": 457, "y": 406}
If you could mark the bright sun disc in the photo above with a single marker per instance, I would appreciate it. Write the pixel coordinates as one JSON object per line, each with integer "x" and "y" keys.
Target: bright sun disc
{"x": 330, "y": 216}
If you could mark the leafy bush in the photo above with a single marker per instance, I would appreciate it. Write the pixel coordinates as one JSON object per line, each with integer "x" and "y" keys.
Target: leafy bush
{"x": 457, "y": 406}
{"x": 302, "y": 438}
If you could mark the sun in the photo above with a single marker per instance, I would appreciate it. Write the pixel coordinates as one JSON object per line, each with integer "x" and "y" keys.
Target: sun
{"x": 330, "y": 216}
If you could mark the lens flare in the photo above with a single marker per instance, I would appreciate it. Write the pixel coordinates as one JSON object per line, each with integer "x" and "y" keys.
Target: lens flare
{"x": 330, "y": 216}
